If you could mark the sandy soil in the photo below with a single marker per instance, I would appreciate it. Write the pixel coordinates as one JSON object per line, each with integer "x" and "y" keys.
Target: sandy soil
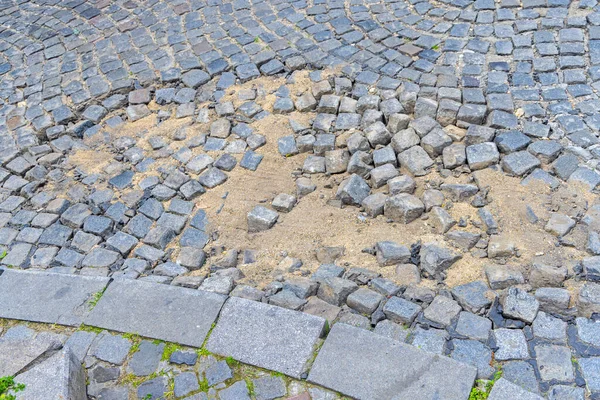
{"x": 314, "y": 223}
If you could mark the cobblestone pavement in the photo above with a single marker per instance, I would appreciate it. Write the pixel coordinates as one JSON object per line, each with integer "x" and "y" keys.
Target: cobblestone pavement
{"x": 462, "y": 136}
{"x": 120, "y": 367}
{"x": 59, "y": 56}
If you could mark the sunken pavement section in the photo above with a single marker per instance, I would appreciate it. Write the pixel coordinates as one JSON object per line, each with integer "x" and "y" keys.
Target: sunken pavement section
{"x": 454, "y": 87}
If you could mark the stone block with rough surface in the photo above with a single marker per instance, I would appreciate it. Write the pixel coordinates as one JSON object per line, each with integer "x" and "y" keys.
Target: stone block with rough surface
{"x": 47, "y": 297}
{"x": 261, "y": 219}
{"x": 185, "y": 315}
{"x": 266, "y": 336}
{"x": 59, "y": 377}
{"x": 365, "y": 365}
{"x": 503, "y": 389}
{"x": 16, "y": 353}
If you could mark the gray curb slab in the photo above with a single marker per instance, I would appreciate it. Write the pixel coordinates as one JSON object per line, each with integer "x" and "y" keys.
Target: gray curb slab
{"x": 504, "y": 389}
{"x": 157, "y": 311}
{"x": 266, "y": 336}
{"x": 59, "y": 377}
{"x": 47, "y": 297}
{"x": 364, "y": 365}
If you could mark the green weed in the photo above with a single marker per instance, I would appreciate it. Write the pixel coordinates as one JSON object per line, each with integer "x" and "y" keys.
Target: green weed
{"x": 232, "y": 362}
{"x": 204, "y": 385}
{"x": 135, "y": 339}
{"x": 87, "y": 328}
{"x": 250, "y": 385}
{"x": 8, "y": 387}
{"x": 135, "y": 381}
{"x": 483, "y": 389}
{"x": 96, "y": 298}
{"x": 202, "y": 352}
{"x": 170, "y": 348}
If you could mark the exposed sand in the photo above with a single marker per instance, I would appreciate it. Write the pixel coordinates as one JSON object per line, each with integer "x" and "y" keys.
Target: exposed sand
{"x": 314, "y": 223}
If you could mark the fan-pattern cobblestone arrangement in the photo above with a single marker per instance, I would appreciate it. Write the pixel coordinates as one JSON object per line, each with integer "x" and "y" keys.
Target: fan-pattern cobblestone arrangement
{"x": 465, "y": 131}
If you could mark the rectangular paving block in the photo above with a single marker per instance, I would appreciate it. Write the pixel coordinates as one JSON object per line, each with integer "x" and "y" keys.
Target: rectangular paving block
{"x": 504, "y": 389}
{"x": 266, "y": 336}
{"x": 59, "y": 377}
{"x": 364, "y": 365}
{"x": 47, "y": 297}
{"x": 17, "y": 353}
{"x": 157, "y": 311}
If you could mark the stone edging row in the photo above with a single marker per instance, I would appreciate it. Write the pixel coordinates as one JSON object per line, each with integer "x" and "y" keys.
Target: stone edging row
{"x": 353, "y": 361}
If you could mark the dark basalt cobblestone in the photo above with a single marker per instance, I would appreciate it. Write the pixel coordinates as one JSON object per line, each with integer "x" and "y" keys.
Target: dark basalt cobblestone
{"x": 413, "y": 78}
{"x": 124, "y": 367}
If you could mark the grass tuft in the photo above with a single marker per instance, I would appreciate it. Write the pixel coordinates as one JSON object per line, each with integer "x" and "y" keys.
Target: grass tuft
{"x": 170, "y": 348}
{"x": 136, "y": 341}
{"x": 233, "y": 363}
{"x": 250, "y": 385}
{"x": 202, "y": 352}
{"x": 135, "y": 381}
{"x": 8, "y": 387}
{"x": 483, "y": 388}
{"x": 96, "y": 298}
{"x": 88, "y": 328}
{"x": 277, "y": 374}
{"x": 204, "y": 385}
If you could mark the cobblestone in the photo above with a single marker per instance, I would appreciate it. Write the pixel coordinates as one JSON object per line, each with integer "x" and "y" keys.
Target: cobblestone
{"x": 422, "y": 92}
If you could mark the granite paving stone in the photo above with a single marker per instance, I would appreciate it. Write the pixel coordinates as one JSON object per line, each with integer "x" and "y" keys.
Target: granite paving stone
{"x": 111, "y": 348}
{"x": 474, "y": 353}
{"x": 554, "y": 363}
{"x": 511, "y": 343}
{"x": 430, "y": 340}
{"x": 590, "y": 368}
{"x": 47, "y": 297}
{"x": 473, "y": 326}
{"x": 185, "y": 383}
{"x": 145, "y": 360}
{"x": 373, "y": 366}
{"x": 268, "y": 388}
{"x": 503, "y": 389}
{"x": 60, "y": 376}
{"x": 186, "y": 314}
{"x": 20, "y": 348}
{"x": 521, "y": 373}
{"x": 266, "y": 336}
{"x": 237, "y": 391}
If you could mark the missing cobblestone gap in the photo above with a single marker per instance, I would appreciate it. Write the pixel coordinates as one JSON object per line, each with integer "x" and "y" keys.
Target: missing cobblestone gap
{"x": 302, "y": 200}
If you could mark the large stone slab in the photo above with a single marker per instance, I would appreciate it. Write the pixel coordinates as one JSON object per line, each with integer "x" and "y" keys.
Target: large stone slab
{"x": 157, "y": 311}
{"x": 17, "y": 354}
{"x": 47, "y": 297}
{"x": 266, "y": 336}
{"x": 59, "y": 377}
{"x": 364, "y": 365}
{"x": 504, "y": 389}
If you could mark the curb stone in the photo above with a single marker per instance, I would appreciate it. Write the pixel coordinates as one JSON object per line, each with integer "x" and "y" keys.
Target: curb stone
{"x": 185, "y": 315}
{"x": 370, "y": 366}
{"x": 47, "y": 297}
{"x": 266, "y": 336}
